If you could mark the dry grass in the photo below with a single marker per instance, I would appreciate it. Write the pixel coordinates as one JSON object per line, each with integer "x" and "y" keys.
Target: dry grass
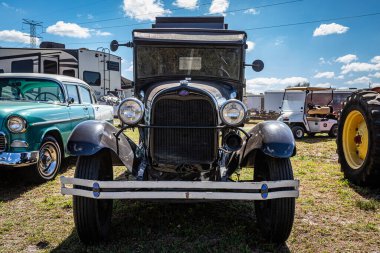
{"x": 331, "y": 215}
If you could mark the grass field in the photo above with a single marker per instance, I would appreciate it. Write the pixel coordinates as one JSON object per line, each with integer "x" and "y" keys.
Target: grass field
{"x": 331, "y": 215}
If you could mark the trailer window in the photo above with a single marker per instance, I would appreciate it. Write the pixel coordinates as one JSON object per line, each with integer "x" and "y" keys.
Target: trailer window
{"x": 69, "y": 72}
{"x": 23, "y": 66}
{"x": 85, "y": 95}
{"x": 92, "y": 78}
{"x": 50, "y": 67}
{"x": 73, "y": 93}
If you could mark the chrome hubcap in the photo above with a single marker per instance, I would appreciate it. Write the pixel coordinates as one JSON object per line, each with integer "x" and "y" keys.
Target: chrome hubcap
{"x": 299, "y": 133}
{"x": 48, "y": 160}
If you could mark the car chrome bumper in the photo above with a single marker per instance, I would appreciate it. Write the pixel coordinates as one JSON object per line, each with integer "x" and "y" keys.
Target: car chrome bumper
{"x": 187, "y": 190}
{"x": 18, "y": 159}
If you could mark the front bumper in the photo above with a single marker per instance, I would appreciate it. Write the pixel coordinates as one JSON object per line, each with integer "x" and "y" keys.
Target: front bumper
{"x": 18, "y": 159}
{"x": 177, "y": 190}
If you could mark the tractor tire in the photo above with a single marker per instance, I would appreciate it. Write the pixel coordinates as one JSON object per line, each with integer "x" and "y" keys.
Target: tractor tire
{"x": 298, "y": 132}
{"x": 275, "y": 217}
{"x": 93, "y": 216}
{"x": 334, "y": 131}
{"x": 358, "y": 142}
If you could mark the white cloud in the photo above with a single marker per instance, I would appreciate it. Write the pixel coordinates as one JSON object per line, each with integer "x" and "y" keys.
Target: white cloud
{"x": 359, "y": 67}
{"x": 89, "y": 16}
{"x": 219, "y": 6}
{"x": 327, "y": 29}
{"x": 340, "y": 77}
{"x": 69, "y": 29}
{"x": 360, "y": 80}
{"x": 322, "y": 85}
{"x": 15, "y": 36}
{"x": 10, "y": 7}
{"x": 252, "y": 11}
{"x": 347, "y": 58}
{"x": 328, "y": 75}
{"x": 323, "y": 61}
{"x": 262, "y": 84}
{"x": 251, "y": 45}
{"x": 186, "y": 4}
{"x": 100, "y": 33}
{"x": 376, "y": 75}
{"x": 144, "y": 9}
{"x": 376, "y": 59}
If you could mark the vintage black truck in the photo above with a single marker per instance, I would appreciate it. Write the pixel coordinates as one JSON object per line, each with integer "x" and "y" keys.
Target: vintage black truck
{"x": 188, "y": 85}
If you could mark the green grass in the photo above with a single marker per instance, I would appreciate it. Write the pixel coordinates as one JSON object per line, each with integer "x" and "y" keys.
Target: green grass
{"x": 331, "y": 216}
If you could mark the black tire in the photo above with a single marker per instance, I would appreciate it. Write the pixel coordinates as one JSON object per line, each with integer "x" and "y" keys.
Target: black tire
{"x": 334, "y": 131}
{"x": 298, "y": 132}
{"x": 50, "y": 160}
{"x": 274, "y": 217}
{"x": 93, "y": 217}
{"x": 368, "y": 104}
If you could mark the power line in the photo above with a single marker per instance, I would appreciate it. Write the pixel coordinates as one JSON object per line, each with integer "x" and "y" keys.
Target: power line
{"x": 179, "y": 8}
{"x": 33, "y": 35}
{"x": 276, "y": 26}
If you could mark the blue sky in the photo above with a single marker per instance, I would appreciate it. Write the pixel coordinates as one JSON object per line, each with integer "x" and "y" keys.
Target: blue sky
{"x": 338, "y": 52}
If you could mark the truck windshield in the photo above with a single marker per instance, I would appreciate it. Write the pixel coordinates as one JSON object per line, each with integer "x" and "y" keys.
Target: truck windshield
{"x": 30, "y": 89}
{"x": 188, "y": 61}
{"x": 294, "y": 101}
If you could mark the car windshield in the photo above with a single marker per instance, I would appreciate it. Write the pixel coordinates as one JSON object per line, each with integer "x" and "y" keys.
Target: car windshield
{"x": 188, "y": 61}
{"x": 30, "y": 89}
{"x": 294, "y": 101}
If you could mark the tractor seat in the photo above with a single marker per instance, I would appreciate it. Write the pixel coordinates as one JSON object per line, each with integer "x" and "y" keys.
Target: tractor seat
{"x": 320, "y": 110}
{"x": 313, "y": 119}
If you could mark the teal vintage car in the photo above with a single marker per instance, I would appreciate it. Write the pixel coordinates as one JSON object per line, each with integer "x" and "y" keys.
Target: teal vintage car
{"x": 37, "y": 115}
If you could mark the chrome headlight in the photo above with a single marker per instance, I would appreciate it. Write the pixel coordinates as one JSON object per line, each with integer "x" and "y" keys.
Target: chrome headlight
{"x": 16, "y": 124}
{"x": 131, "y": 111}
{"x": 233, "y": 112}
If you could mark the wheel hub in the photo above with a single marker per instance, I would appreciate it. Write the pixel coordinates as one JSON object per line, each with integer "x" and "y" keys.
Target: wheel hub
{"x": 48, "y": 160}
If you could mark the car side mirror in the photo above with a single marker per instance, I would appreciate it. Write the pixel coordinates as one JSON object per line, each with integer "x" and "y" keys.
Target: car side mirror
{"x": 70, "y": 100}
{"x": 258, "y": 65}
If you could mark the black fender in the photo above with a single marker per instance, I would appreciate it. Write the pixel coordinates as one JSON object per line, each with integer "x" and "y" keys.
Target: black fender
{"x": 273, "y": 138}
{"x": 89, "y": 137}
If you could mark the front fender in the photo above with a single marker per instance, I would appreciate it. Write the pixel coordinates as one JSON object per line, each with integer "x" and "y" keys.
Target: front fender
{"x": 273, "y": 138}
{"x": 91, "y": 136}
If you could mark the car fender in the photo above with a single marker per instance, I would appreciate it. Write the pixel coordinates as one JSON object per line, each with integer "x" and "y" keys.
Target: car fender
{"x": 89, "y": 137}
{"x": 273, "y": 138}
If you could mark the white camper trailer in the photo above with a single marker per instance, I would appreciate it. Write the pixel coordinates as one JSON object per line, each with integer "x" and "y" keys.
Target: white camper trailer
{"x": 273, "y": 101}
{"x": 100, "y": 69}
{"x": 254, "y": 102}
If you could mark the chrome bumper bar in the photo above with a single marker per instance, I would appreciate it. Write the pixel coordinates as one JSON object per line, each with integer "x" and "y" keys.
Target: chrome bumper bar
{"x": 188, "y": 190}
{"x": 18, "y": 159}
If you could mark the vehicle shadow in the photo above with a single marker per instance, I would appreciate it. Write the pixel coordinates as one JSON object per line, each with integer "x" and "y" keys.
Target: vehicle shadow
{"x": 15, "y": 182}
{"x": 367, "y": 193}
{"x": 179, "y": 227}
{"x": 315, "y": 139}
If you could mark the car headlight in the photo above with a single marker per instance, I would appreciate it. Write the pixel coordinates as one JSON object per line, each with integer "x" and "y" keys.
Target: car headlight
{"x": 16, "y": 124}
{"x": 233, "y": 112}
{"x": 131, "y": 111}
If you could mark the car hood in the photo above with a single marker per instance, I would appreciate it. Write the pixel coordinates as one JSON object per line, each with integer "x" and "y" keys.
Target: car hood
{"x": 22, "y": 108}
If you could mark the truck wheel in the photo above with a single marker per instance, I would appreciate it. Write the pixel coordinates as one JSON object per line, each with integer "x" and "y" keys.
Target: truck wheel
{"x": 50, "y": 158}
{"x": 274, "y": 217}
{"x": 92, "y": 216}
{"x": 298, "y": 132}
{"x": 358, "y": 139}
{"x": 334, "y": 131}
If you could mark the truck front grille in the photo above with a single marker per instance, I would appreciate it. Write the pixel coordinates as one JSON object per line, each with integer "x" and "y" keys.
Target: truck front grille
{"x": 3, "y": 142}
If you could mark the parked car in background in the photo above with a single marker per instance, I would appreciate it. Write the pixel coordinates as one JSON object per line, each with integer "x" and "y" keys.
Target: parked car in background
{"x": 37, "y": 115}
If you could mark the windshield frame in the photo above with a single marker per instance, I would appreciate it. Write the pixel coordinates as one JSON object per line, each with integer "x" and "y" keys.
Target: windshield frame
{"x": 63, "y": 90}
{"x": 190, "y": 45}
{"x": 290, "y": 109}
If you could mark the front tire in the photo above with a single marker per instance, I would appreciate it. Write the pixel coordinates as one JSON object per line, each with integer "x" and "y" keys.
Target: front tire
{"x": 275, "y": 217}
{"x": 298, "y": 132}
{"x": 358, "y": 142}
{"x": 334, "y": 131}
{"x": 92, "y": 216}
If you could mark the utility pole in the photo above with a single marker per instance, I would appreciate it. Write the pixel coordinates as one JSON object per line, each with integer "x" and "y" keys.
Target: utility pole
{"x": 33, "y": 35}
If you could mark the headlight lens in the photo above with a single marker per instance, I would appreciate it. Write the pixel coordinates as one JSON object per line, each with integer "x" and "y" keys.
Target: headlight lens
{"x": 131, "y": 111}
{"x": 233, "y": 112}
{"x": 16, "y": 124}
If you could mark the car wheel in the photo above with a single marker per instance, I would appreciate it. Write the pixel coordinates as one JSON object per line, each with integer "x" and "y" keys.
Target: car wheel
{"x": 50, "y": 158}
{"x": 298, "y": 132}
{"x": 334, "y": 131}
{"x": 93, "y": 216}
{"x": 274, "y": 217}
{"x": 358, "y": 142}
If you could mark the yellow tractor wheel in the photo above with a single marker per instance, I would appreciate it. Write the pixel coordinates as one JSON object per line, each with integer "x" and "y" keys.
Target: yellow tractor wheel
{"x": 358, "y": 139}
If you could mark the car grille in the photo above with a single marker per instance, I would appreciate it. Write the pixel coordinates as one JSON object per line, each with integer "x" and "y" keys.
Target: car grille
{"x": 184, "y": 145}
{"x": 3, "y": 142}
